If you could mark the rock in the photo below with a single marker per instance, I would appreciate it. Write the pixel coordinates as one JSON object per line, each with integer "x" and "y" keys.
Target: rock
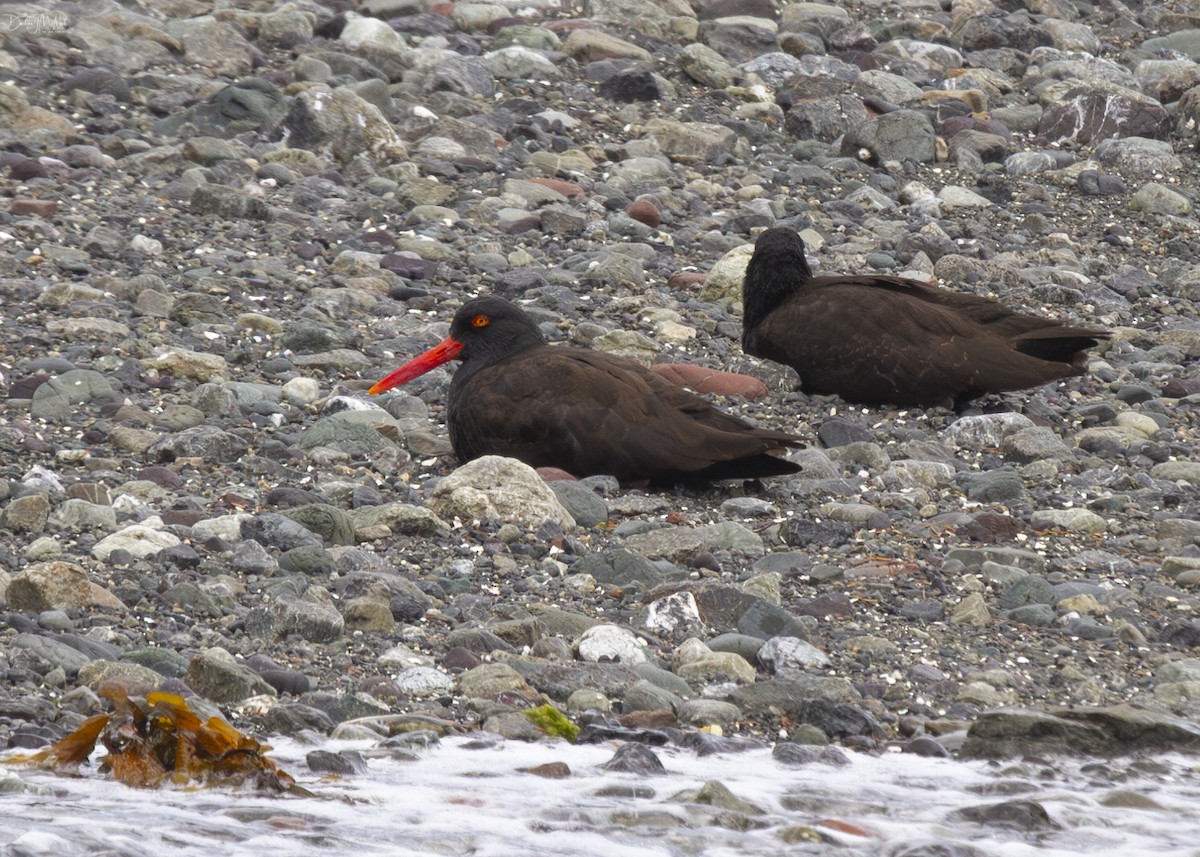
{"x": 1098, "y": 110}
{"x": 609, "y": 643}
{"x": 1111, "y": 731}
{"x": 498, "y": 489}
{"x": 56, "y": 585}
{"x": 216, "y": 675}
{"x": 316, "y": 621}
{"x": 26, "y": 514}
{"x": 343, "y": 124}
{"x": 904, "y": 135}
{"x": 135, "y": 540}
{"x": 55, "y": 400}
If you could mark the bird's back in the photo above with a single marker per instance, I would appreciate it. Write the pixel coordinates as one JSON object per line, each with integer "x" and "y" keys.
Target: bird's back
{"x": 875, "y": 340}
{"x": 590, "y": 412}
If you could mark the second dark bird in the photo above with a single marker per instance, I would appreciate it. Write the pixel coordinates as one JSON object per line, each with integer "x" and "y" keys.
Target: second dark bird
{"x": 581, "y": 410}
{"x": 875, "y": 339}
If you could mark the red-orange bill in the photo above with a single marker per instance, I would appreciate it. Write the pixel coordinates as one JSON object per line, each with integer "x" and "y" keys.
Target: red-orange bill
{"x": 443, "y": 352}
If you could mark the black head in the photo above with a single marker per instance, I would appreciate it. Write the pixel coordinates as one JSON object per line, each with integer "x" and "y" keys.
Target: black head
{"x": 491, "y": 328}
{"x": 777, "y": 268}
{"x": 484, "y": 330}
{"x": 781, "y": 246}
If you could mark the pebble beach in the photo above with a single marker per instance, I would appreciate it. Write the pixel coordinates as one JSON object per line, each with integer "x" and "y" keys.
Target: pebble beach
{"x": 219, "y": 226}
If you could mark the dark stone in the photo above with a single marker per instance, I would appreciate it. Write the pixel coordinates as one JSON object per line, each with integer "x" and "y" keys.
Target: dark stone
{"x": 1024, "y": 815}
{"x": 629, "y": 86}
{"x": 228, "y": 204}
{"x": 635, "y": 758}
{"x": 273, "y": 530}
{"x": 788, "y": 753}
{"x": 1032, "y": 589}
{"x": 286, "y": 681}
{"x": 837, "y": 432}
{"x": 624, "y": 568}
{"x": 1087, "y": 114}
{"x": 837, "y": 719}
{"x": 805, "y": 532}
{"x": 991, "y": 486}
{"x": 478, "y": 640}
{"x": 925, "y": 746}
{"x": 832, "y": 604}
{"x": 343, "y": 763}
{"x": 926, "y": 610}
{"x": 288, "y": 718}
{"x": 766, "y": 620}
{"x": 990, "y": 527}
{"x": 409, "y": 267}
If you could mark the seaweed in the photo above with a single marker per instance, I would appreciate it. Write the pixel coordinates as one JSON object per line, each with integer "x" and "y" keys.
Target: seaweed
{"x": 158, "y": 740}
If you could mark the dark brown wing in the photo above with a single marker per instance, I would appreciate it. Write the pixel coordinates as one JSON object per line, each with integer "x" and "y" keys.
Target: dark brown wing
{"x": 589, "y": 412}
{"x": 888, "y": 340}
{"x": 1037, "y": 336}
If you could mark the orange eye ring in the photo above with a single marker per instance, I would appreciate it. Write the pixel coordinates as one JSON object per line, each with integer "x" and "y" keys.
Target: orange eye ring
{"x": 480, "y": 321}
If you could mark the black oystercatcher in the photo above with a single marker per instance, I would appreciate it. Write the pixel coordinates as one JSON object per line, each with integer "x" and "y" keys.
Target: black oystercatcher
{"x": 875, "y": 339}
{"x": 584, "y": 411}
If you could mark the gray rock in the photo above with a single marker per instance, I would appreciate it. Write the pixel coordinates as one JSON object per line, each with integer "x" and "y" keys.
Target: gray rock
{"x": 43, "y": 654}
{"x": 611, "y": 644}
{"x": 204, "y": 442}
{"x": 646, "y": 696}
{"x": 329, "y": 522}
{"x": 274, "y": 530}
{"x": 1031, "y": 589}
{"x": 26, "y": 514}
{"x": 783, "y": 653}
{"x": 215, "y": 674}
{"x": 314, "y": 621}
{"x": 1112, "y": 731}
{"x": 135, "y": 540}
{"x": 992, "y": 486}
{"x": 424, "y": 681}
{"x": 344, "y": 125}
{"x": 59, "y": 397}
{"x": 487, "y": 680}
{"x": 1155, "y": 198}
{"x": 904, "y": 135}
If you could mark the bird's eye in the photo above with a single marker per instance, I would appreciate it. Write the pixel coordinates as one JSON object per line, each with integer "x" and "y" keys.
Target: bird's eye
{"x": 480, "y": 321}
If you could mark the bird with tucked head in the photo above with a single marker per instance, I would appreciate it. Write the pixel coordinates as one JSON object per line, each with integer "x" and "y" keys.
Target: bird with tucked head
{"x": 875, "y": 339}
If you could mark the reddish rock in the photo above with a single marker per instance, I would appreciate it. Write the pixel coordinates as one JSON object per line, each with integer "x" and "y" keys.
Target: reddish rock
{"x": 567, "y": 189}
{"x": 990, "y": 527}
{"x": 644, "y": 211}
{"x": 26, "y": 169}
{"x": 43, "y": 208}
{"x": 554, "y": 474}
{"x": 566, "y": 26}
{"x": 686, "y": 279}
{"x": 1177, "y": 388}
{"x": 550, "y": 770}
{"x": 704, "y": 380}
{"x": 648, "y": 719}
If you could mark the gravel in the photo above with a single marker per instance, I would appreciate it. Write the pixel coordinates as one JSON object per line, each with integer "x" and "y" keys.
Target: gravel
{"x": 220, "y": 226}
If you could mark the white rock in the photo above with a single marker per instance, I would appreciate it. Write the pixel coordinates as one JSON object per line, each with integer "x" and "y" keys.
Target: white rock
{"x": 301, "y": 391}
{"x": 225, "y": 527}
{"x": 497, "y": 488}
{"x": 140, "y": 540}
{"x": 678, "y": 610}
{"x": 602, "y": 643}
{"x": 363, "y": 31}
{"x": 424, "y": 681}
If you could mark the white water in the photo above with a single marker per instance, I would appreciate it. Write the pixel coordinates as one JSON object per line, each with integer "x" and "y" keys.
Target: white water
{"x": 456, "y": 801}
